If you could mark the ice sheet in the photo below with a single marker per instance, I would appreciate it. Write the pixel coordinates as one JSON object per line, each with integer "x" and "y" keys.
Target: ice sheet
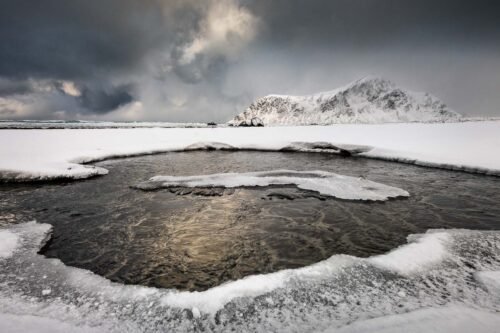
{"x": 8, "y": 243}
{"x": 326, "y": 183}
{"x": 452, "y": 319}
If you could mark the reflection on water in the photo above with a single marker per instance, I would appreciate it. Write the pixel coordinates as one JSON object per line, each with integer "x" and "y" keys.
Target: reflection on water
{"x": 176, "y": 238}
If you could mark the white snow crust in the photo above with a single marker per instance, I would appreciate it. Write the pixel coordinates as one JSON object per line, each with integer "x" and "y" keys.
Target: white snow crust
{"x": 35, "y": 324}
{"x": 424, "y": 251}
{"x": 491, "y": 280}
{"x": 8, "y": 243}
{"x": 342, "y": 293}
{"x": 450, "y": 319}
{"x": 326, "y": 183}
{"x": 52, "y": 154}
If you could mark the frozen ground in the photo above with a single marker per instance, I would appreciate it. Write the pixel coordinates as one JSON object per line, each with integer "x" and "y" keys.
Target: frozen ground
{"x": 44, "y": 154}
{"x": 442, "y": 281}
{"x": 326, "y": 183}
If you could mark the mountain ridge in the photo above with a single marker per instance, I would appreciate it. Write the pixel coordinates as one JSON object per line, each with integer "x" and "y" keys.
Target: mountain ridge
{"x": 367, "y": 100}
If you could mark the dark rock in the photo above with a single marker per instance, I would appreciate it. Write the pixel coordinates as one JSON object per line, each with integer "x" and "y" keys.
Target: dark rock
{"x": 254, "y": 122}
{"x": 257, "y": 122}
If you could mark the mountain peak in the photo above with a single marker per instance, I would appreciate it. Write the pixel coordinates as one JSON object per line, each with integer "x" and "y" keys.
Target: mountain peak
{"x": 370, "y": 99}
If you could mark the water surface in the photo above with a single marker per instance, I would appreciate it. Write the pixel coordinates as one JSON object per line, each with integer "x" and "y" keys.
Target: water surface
{"x": 196, "y": 240}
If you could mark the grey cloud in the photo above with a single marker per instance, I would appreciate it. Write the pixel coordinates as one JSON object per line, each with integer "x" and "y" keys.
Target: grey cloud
{"x": 164, "y": 54}
{"x": 365, "y": 23}
{"x": 14, "y": 87}
{"x": 76, "y": 39}
{"x": 102, "y": 101}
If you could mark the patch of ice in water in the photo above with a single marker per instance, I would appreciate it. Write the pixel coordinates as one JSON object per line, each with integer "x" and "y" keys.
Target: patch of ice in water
{"x": 210, "y": 146}
{"x": 327, "y": 147}
{"x": 326, "y": 183}
{"x": 343, "y": 292}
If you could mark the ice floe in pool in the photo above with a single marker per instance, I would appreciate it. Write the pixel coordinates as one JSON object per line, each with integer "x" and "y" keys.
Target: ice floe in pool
{"x": 343, "y": 292}
{"x": 326, "y": 147}
{"x": 326, "y": 183}
{"x": 210, "y": 146}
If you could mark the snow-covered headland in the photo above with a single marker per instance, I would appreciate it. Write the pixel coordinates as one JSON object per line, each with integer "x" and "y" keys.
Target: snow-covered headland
{"x": 370, "y": 100}
{"x": 44, "y": 155}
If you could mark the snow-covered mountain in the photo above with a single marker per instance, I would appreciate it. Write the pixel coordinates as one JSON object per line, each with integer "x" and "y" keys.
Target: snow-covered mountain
{"x": 369, "y": 100}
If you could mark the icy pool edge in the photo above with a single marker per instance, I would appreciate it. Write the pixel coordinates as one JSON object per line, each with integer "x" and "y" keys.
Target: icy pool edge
{"x": 214, "y": 299}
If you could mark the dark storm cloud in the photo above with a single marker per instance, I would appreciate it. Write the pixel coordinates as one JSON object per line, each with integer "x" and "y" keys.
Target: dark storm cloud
{"x": 191, "y": 60}
{"x": 91, "y": 43}
{"x": 105, "y": 100}
{"x": 78, "y": 38}
{"x": 14, "y": 87}
{"x": 363, "y": 23}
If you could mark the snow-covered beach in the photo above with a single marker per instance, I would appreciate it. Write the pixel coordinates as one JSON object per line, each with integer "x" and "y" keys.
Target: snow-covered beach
{"x": 43, "y": 155}
{"x": 66, "y": 298}
{"x": 431, "y": 275}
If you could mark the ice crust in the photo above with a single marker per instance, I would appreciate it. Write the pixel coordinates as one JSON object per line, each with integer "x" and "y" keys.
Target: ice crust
{"x": 326, "y": 183}
{"x": 35, "y": 324}
{"x": 8, "y": 243}
{"x": 491, "y": 280}
{"x": 424, "y": 251}
{"x": 452, "y": 319}
{"x": 27, "y": 155}
{"x": 441, "y": 293}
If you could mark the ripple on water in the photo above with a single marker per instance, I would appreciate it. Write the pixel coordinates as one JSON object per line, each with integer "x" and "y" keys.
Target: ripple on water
{"x": 193, "y": 239}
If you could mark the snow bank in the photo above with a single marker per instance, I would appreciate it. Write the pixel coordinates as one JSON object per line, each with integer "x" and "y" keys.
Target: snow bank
{"x": 491, "y": 280}
{"x": 326, "y": 183}
{"x": 451, "y": 319}
{"x": 35, "y": 324}
{"x": 422, "y": 252}
{"x": 214, "y": 299}
{"x": 8, "y": 243}
{"x": 43, "y": 154}
{"x": 342, "y": 290}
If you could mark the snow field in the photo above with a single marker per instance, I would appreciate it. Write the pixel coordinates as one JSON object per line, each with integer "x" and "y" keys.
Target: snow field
{"x": 27, "y": 155}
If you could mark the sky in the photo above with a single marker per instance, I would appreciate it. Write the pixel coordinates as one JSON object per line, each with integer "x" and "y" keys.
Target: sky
{"x": 199, "y": 61}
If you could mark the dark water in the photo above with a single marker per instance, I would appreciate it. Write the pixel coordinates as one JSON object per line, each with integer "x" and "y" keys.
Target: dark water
{"x": 195, "y": 241}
